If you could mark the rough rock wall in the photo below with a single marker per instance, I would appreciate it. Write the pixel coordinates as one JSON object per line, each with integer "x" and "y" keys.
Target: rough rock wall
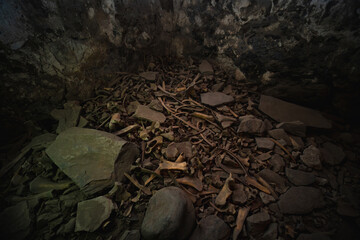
{"x": 55, "y": 48}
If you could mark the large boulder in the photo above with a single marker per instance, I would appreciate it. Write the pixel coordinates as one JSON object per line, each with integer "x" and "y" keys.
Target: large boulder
{"x": 169, "y": 216}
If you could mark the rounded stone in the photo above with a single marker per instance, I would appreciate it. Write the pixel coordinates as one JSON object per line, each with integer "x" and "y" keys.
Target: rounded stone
{"x": 169, "y": 216}
{"x": 211, "y": 228}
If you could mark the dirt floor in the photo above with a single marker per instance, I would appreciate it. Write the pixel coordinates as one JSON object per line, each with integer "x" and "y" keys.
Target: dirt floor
{"x": 279, "y": 180}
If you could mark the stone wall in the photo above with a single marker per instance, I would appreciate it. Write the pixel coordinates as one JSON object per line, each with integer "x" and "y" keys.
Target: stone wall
{"x": 55, "y": 48}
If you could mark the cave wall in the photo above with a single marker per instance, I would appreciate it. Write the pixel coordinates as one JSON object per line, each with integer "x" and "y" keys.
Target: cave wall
{"x": 52, "y": 49}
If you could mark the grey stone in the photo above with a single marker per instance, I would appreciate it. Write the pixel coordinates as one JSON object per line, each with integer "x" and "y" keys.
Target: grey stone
{"x": 266, "y": 198}
{"x": 299, "y": 178}
{"x": 88, "y": 156}
{"x": 313, "y": 236}
{"x": 145, "y": 113}
{"x": 280, "y": 134}
{"x": 15, "y": 221}
{"x": 257, "y": 223}
{"x": 332, "y": 154}
{"x": 205, "y": 67}
{"x": 296, "y": 128}
{"x": 264, "y": 143}
{"x": 151, "y": 76}
{"x": 250, "y": 124}
{"x": 239, "y": 195}
{"x": 271, "y": 232}
{"x": 300, "y": 200}
{"x": 92, "y": 213}
{"x": 67, "y": 117}
{"x": 274, "y": 178}
{"x": 297, "y": 142}
{"x": 131, "y": 235}
{"x": 282, "y": 111}
{"x": 311, "y": 157}
{"x": 177, "y": 148}
{"x": 211, "y": 228}
{"x": 215, "y": 99}
{"x": 170, "y": 216}
{"x": 155, "y": 105}
{"x": 277, "y": 163}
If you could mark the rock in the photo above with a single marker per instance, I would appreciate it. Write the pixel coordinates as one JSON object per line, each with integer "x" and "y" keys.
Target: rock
{"x": 131, "y": 235}
{"x": 311, "y": 157}
{"x": 170, "y": 216}
{"x": 271, "y": 232}
{"x": 239, "y": 75}
{"x": 131, "y": 108}
{"x": 41, "y": 184}
{"x": 88, "y": 156}
{"x": 215, "y": 99}
{"x": 264, "y": 143}
{"x": 277, "y": 163}
{"x": 155, "y": 105}
{"x": 67, "y": 117}
{"x": 344, "y": 208}
{"x": 205, "y": 67}
{"x": 274, "y": 178}
{"x": 282, "y": 111}
{"x": 300, "y": 200}
{"x": 299, "y": 178}
{"x": 238, "y": 195}
{"x": 332, "y": 154}
{"x": 92, "y": 213}
{"x": 15, "y": 222}
{"x": 145, "y": 113}
{"x": 313, "y": 236}
{"x": 263, "y": 156}
{"x": 266, "y": 198}
{"x": 177, "y": 148}
{"x": 250, "y": 124}
{"x": 280, "y": 134}
{"x": 257, "y": 223}
{"x": 217, "y": 87}
{"x": 151, "y": 76}
{"x": 296, "y": 128}
{"x": 211, "y": 228}
{"x": 297, "y": 142}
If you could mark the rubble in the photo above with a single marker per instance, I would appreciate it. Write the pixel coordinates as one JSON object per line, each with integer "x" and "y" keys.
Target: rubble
{"x": 332, "y": 154}
{"x": 150, "y": 76}
{"x": 264, "y": 143}
{"x": 296, "y": 128}
{"x": 257, "y": 223}
{"x": 206, "y": 68}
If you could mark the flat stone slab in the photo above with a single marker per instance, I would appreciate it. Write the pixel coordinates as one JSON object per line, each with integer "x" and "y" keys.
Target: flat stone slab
{"x": 215, "y": 99}
{"x": 211, "y": 228}
{"x": 170, "y": 216}
{"x": 299, "y": 178}
{"x": 92, "y": 213}
{"x": 205, "y": 67}
{"x": 282, "y": 111}
{"x": 151, "y": 76}
{"x": 87, "y": 156}
{"x": 264, "y": 143}
{"x": 300, "y": 200}
{"x": 146, "y": 113}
